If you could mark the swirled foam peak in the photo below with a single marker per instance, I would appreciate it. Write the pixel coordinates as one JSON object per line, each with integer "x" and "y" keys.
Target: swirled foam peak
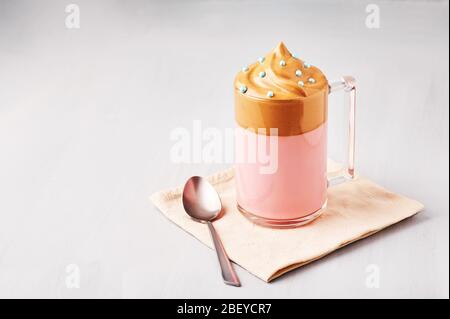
{"x": 279, "y": 75}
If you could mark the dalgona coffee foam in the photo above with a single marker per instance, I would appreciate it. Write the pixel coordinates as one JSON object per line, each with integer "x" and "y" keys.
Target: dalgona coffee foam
{"x": 281, "y": 91}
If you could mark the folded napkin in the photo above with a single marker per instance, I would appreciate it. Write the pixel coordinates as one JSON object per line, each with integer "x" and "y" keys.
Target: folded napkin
{"x": 356, "y": 209}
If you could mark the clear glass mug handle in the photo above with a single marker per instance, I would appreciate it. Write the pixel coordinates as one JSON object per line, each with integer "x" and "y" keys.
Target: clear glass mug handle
{"x": 348, "y": 84}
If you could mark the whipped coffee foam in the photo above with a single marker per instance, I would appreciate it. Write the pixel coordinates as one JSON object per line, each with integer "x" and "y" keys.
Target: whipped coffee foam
{"x": 281, "y": 91}
{"x": 280, "y": 76}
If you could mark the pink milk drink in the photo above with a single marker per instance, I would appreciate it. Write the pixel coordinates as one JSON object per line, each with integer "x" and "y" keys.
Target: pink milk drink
{"x": 281, "y": 107}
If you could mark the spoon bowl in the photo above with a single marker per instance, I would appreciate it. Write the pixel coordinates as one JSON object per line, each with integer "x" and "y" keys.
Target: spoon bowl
{"x": 200, "y": 200}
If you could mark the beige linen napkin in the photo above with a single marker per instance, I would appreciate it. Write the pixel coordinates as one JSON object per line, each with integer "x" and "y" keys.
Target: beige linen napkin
{"x": 356, "y": 209}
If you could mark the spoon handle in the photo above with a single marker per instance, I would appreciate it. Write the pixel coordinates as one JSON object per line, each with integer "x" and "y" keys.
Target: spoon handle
{"x": 228, "y": 274}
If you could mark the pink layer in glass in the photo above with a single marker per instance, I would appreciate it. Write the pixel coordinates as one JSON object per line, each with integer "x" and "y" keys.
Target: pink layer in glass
{"x": 298, "y": 185}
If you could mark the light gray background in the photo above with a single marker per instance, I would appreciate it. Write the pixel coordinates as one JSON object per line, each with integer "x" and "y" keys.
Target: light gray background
{"x": 85, "y": 122}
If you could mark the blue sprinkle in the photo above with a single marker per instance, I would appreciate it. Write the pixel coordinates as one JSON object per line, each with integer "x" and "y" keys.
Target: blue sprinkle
{"x": 245, "y": 69}
{"x": 262, "y": 74}
{"x": 270, "y": 94}
{"x": 243, "y": 88}
{"x": 261, "y": 59}
{"x": 307, "y": 65}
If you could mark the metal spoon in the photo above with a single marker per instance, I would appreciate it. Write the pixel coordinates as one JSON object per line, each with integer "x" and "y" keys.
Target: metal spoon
{"x": 202, "y": 203}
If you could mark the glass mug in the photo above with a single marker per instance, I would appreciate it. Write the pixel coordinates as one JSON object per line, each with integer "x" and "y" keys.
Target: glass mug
{"x": 281, "y": 106}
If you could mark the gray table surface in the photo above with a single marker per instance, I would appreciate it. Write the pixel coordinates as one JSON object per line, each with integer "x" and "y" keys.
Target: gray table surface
{"x": 85, "y": 122}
